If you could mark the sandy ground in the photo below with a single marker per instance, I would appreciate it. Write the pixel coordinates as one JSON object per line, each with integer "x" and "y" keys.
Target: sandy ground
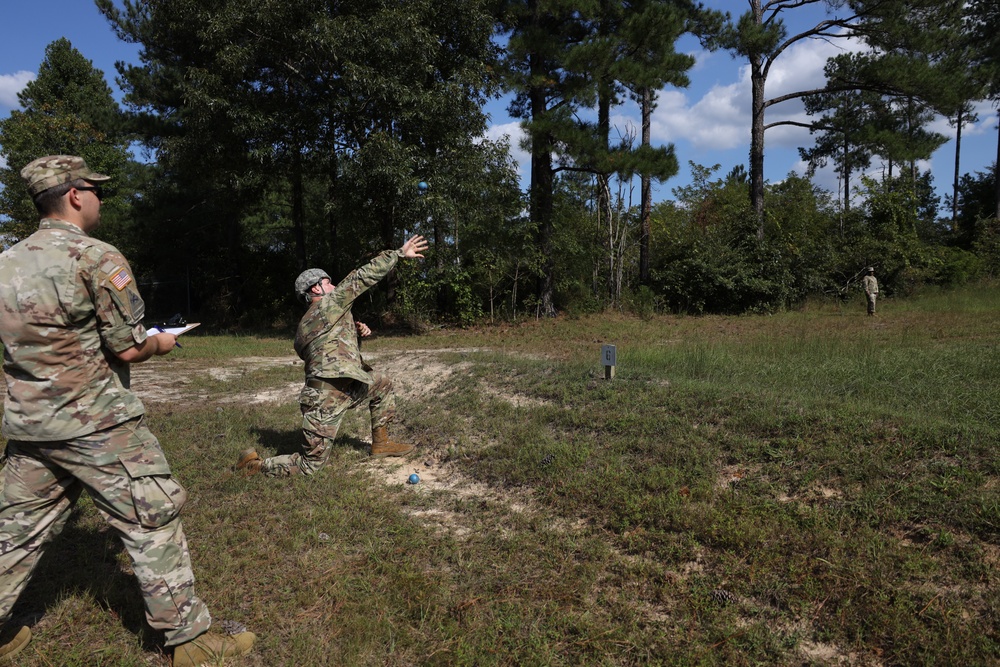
{"x": 415, "y": 373}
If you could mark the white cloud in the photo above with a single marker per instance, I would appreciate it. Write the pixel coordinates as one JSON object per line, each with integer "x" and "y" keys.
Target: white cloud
{"x": 514, "y": 135}
{"x": 986, "y": 125}
{"x": 721, "y": 118}
{"x": 712, "y": 123}
{"x": 11, "y": 85}
{"x": 702, "y": 57}
{"x": 830, "y": 180}
{"x": 825, "y": 177}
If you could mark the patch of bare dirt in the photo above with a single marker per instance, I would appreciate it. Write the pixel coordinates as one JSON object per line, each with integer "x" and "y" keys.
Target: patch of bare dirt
{"x": 417, "y": 373}
{"x": 444, "y": 483}
{"x": 517, "y": 400}
{"x": 731, "y": 475}
{"x": 151, "y": 386}
{"x": 287, "y": 393}
{"x": 169, "y": 381}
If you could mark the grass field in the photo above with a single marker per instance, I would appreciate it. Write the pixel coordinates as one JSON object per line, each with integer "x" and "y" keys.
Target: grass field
{"x": 810, "y": 488}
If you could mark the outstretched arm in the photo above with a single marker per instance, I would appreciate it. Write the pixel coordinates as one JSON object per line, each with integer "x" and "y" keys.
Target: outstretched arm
{"x": 359, "y": 280}
{"x": 414, "y": 247}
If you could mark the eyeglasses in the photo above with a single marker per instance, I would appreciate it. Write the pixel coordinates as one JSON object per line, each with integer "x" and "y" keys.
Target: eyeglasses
{"x": 96, "y": 189}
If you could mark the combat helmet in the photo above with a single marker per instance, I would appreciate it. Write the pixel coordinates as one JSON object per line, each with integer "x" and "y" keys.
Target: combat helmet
{"x": 306, "y": 280}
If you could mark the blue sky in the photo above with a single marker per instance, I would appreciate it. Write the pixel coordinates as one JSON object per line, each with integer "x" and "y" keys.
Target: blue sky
{"x": 708, "y": 122}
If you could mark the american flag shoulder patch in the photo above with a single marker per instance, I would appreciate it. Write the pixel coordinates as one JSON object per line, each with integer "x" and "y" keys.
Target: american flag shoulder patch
{"x": 120, "y": 278}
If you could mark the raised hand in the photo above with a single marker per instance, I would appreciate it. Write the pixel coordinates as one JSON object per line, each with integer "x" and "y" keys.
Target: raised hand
{"x": 414, "y": 247}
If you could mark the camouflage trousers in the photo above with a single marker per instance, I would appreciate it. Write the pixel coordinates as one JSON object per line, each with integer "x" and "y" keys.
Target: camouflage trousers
{"x": 322, "y": 411}
{"x": 871, "y": 302}
{"x": 126, "y": 474}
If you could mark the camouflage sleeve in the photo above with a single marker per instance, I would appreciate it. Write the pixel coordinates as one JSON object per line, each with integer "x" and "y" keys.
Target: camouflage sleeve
{"x": 117, "y": 303}
{"x": 357, "y": 282}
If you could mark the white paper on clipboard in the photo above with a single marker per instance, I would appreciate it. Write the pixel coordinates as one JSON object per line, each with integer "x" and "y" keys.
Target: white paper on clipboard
{"x": 177, "y": 331}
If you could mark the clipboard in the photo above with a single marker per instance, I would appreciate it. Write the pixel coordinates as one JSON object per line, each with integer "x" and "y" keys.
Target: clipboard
{"x": 177, "y": 331}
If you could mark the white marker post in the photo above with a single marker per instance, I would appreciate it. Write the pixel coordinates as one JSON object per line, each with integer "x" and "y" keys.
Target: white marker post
{"x": 608, "y": 359}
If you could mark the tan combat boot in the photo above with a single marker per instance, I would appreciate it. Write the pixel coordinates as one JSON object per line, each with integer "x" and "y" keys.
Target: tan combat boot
{"x": 212, "y": 649}
{"x": 382, "y": 446}
{"x": 249, "y": 462}
{"x": 12, "y": 640}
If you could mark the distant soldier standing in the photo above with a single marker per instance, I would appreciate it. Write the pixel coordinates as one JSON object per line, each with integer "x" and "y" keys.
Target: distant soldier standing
{"x": 337, "y": 378}
{"x": 870, "y": 285}
{"x": 70, "y": 324}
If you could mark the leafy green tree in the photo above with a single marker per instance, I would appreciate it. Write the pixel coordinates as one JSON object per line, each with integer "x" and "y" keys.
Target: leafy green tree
{"x": 982, "y": 21}
{"x": 805, "y": 227}
{"x": 547, "y": 93}
{"x": 961, "y": 83}
{"x": 844, "y": 125}
{"x": 648, "y": 32}
{"x": 761, "y": 37}
{"x": 866, "y": 115}
{"x": 485, "y": 251}
{"x": 67, "y": 109}
{"x": 926, "y": 52}
{"x": 896, "y": 214}
{"x": 630, "y": 50}
{"x": 710, "y": 259}
{"x": 920, "y": 58}
{"x": 564, "y": 58}
{"x": 321, "y": 116}
{"x": 597, "y": 55}
{"x": 975, "y": 192}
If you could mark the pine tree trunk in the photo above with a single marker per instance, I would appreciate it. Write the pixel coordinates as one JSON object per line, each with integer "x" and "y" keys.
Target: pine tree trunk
{"x": 958, "y": 155}
{"x": 757, "y": 81}
{"x": 298, "y": 210}
{"x": 541, "y": 202}
{"x": 996, "y": 175}
{"x": 757, "y": 144}
{"x": 847, "y": 175}
{"x": 331, "y": 216}
{"x": 603, "y": 185}
{"x": 646, "y": 203}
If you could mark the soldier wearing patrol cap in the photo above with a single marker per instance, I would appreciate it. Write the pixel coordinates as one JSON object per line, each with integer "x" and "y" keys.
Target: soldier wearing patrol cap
{"x": 70, "y": 324}
{"x": 337, "y": 378}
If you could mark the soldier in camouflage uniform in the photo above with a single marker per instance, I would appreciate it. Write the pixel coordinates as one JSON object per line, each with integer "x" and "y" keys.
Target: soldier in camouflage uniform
{"x": 870, "y": 285}
{"x": 337, "y": 378}
{"x": 70, "y": 324}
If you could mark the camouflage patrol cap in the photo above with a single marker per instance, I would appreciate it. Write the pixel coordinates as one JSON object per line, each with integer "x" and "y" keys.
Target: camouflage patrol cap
{"x": 306, "y": 280}
{"x": 52, "y": 170}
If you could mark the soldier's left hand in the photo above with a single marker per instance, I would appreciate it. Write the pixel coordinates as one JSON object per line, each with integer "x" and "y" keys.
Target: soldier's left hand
{"x": 414, "y": 246}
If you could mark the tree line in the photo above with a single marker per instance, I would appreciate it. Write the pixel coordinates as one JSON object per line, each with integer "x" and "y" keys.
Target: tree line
{"x": 260, "y": 137}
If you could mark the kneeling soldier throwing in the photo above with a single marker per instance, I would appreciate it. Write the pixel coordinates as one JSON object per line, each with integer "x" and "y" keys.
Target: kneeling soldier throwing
{"x": 337, "y": 378}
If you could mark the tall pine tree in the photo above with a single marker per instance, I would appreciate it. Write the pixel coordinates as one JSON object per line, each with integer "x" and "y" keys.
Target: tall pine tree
{"x": 67, "y": 109}
{"x": 317, "y": 117}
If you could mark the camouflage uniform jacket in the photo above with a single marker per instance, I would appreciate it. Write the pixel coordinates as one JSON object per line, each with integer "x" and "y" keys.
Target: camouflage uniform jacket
{"x": 67, "y": 302}
{"x": 327, "y": 339}
{"x": 870, "y": 284}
